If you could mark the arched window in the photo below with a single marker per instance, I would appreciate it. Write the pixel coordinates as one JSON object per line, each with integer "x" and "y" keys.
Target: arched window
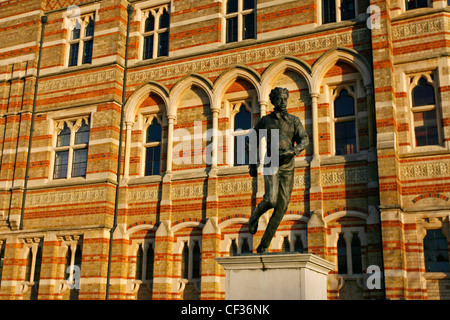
{"x": 37, "y": 274}
{"x": 155, "y": 33}
{"x": 150, "y": 262}
{"x": 196, "y": 261}
{"x": 233, "y": 248}
{"x": 240, "y": 20}
{"x": 345, "y": 124}
{"x": 153, "y": 148}
{"x": 426, "y": 128}
{"x": 163, "y": 47}
{"x": 185, "y": 261}
{"x": 356, "y": 254}
{"x": 245, "y": 248}
{"x": 298, "y": 245}
{"x": 342, "y": 255}
{"x": 71, "y": 152}
{"x": 286, "y": 247}
{"x": 81, "y": 41}
{"x": 139, "y": 262}
{"x": 435, "y": 249}
{"x": 242, "y": 124}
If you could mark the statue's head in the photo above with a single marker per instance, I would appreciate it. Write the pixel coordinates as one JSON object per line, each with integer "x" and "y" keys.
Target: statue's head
{"x": 279, "y": 96}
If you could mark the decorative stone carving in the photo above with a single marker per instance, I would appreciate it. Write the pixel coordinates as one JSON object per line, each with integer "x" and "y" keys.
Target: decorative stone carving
{"x": 426, "y": 170}
{"x": 233, "y": 187}
{"x": 348, "y": 176}
{"x": 417, "y": 28}
{"x": 140, "y": 195}
{"x": 73, "y": 196}
{"x": 250, "y": 56}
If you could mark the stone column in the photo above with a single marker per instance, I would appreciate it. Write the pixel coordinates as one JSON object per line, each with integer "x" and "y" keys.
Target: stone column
{"x": 210, "y": 269}
{"x": 126, "y": 167}
{"x": 170, "y": 129}
{"x": 163, "y": 263}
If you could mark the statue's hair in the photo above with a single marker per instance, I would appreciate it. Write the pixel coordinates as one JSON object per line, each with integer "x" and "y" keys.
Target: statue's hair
{"x": 277, "y": 91}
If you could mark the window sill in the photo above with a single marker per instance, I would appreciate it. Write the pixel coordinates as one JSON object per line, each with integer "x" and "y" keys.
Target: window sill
{"x": 144, "y": 180}
{"x": 350, "y": 158}
{"x": 224, "y": 171}
{"x": 414, "y": 13}
{"x": 55, "y": 183}
{"x": 231, "y": 45}
{"x": 424, "y": 151}
{"x": 436, "y": 275}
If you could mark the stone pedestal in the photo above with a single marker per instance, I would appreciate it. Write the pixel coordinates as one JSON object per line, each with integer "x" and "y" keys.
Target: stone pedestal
{"x": 275, "y": 276}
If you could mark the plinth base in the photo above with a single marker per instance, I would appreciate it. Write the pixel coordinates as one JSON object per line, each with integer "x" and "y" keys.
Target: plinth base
{"x": 281, "y": 276}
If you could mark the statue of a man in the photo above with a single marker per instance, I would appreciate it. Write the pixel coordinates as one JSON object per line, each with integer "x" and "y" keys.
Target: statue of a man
{"x": 279, "y": 182}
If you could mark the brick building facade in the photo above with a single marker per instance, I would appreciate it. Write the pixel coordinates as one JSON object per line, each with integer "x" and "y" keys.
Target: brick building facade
{"x": 371, "y": 189}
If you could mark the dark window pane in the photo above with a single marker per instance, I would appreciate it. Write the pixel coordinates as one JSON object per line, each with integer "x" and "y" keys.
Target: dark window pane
{"x": 150, "y": 263}
{"x": 164, "y": 20}
{"x": 82, "y": 134}
{"x": 425, "y": 127}
{"x": 89, "y": 31}
{"x": 63, "y": 138}
{"x": 243, "y": 119}
{"x": 79, "y": 162}
{"x": 78, "y": 256}
{"x": 423, "y": 94}
{"x": 344, "y": 105}
{"x": 233, "y": 248}
{"x": 149, "y": 23}
{"x": 76, "y": 31}
{"x": 61, "y": 160}
{"x": 356, "y": 254}
{"x": 249, "y": 4}
{"x": 67, "y": 263}
{"x": 153, "y": 161}
{"x": 139, "y": 262}
{"x": 342, "y": 255}
{"x": 347, "y": 9}
{"x": 37, "y": 274}
{"x": 435, "y": 247}
{"x": 196, "y": 261}
{"x": 328, "y": 11}
{"x": 73, "y": 55}
{"x": 185, "y": 262}
{"x": 345, "y": 135}
{"x": 163, "y": 48}
{"x": 245, "y": 246}
{"x": 154, "y": 132}
{"x": 298, "y": 246}
{"x": 148, "y": 47}
{"x": 232, "y": 6}
{"x": 286, "y": 246}
{"x": 232, "y": 29}
{"x": 87, "y": 51}
{"x": 28, "y": 266}
{"x": 414, "y": 4}
{"x": 249, "y": 26}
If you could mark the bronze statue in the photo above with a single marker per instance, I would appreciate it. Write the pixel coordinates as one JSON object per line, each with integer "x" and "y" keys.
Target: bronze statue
{"x": 279, "y": 182}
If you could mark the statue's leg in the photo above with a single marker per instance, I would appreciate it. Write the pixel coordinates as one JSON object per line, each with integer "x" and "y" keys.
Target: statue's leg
{"x": 286, "y": 183}
{"x": 268, "y": 202}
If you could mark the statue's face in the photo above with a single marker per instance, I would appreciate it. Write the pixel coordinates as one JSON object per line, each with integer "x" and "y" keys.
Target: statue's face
{"x": 280, "y": 101}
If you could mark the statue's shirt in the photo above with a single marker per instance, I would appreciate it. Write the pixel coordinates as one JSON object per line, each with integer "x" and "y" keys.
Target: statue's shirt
{"x": 290, "y": 129}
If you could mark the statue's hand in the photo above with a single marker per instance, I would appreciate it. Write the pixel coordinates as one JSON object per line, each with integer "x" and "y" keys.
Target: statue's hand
{"x": 286, "y": 156}
{"x": 253, "y": 170}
